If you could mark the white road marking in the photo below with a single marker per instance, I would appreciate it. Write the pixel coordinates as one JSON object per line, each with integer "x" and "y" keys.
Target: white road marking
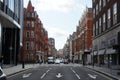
{"x": 75, "y": 74}
{"x": 45, "y": 73}
{"x": 92, "y": 76}
{"x": 59, "y": 75}
{"x": 26, "y": 75}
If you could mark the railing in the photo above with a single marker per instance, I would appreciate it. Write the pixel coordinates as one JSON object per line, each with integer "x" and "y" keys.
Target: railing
{"x": 8, "y": 11}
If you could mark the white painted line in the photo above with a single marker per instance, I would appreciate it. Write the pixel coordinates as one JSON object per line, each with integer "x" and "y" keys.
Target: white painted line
{"x": 43, "y": 75}
{"x": 75, "y": 74}
{"x": 47, "y": 71}
{"x": 73, "y": 71}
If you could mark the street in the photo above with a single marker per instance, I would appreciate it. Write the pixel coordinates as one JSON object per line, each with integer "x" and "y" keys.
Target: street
{"x": 59, "y": 72}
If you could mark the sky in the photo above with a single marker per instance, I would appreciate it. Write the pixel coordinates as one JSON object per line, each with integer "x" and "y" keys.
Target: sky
{"x": 60, "y": 17}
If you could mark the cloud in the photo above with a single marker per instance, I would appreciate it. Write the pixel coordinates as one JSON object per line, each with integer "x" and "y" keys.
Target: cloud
{"x": 56, "y": 32}
{"x": 56, "y": 5}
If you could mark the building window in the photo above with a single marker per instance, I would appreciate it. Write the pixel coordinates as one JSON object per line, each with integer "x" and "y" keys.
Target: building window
{"x": 33, "y": 15}
{"x": 97, "y": 9}
{"x": 93, "y": 30}
{"x": 32, "y": 45}
{"x": 97, "y": 28}
{"x": 93, "y": 13}
{"x": 32, "y": 23}
{"x": 99, "y": 25}
{"x": 27, "y": 45}
{"x": 115, "y": 13}
{"x": 100, "y": 3}
{"x": 28, "y": 14}
{"x": 104, "y": 24}
{"x": 104, "y": 3}
{"x": 108, "y": 19}
{"x": 31, "y": 57}
{"x": 11, "y": 4}
{"x": 27, "y": 34}
{"x": 32, "y": 34}
{"x": 28, "y": 23}
{"x": 27, "y": 57}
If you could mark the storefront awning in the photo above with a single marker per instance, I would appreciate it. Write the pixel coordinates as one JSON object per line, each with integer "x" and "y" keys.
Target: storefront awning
{"x": 110, "y": 51}
{"x": 101, "y": 52}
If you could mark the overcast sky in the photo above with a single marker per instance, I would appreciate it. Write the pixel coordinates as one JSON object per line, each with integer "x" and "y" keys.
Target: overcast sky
{"x": 60, "y": 17}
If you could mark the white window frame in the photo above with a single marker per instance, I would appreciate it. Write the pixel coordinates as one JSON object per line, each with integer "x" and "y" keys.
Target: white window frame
{"x": 115, "y": 13}
{"x": 100, "y": 25}
{"x": 33, "y": 23}
{"x": 32, "y": 45}
{"x": 104, "y": 21}
{"x": 100, "y": 5}
{"x": 97, "y": 28}
{"x": 97, "y": 10}
{"x": 28, "y": 23}
{"x": 109, "y": 18}
{"x": 27, "y": 34}
{"x": 104, "y": 3}
{"x": 32, "y": 34}
{"x": 27, "y": 45}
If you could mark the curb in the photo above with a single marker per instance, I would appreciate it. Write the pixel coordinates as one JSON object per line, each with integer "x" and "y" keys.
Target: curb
{"x": 107, "y": 74}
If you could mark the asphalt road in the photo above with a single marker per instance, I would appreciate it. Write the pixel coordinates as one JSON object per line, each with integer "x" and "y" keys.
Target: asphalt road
{"x": 59, "y": 72}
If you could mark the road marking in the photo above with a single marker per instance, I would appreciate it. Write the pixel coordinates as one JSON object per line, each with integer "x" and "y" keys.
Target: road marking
{"x": 75, "y": 74}
{"x": 17, "y": 73}
{"x": 59, "y": 75}
{"x": 92, "y": 76}
{"x": 26, "y": 75}
{"x": 101, "y": 74}
{"x": 45, "y": 73}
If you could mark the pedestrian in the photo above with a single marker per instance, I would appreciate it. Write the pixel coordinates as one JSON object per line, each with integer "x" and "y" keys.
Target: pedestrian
{"x": 1, "y": 61}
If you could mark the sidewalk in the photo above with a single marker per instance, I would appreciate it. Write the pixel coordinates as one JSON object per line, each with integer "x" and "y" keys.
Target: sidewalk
{"x": 106, "y": 71}
{"x": 9, "y": 70}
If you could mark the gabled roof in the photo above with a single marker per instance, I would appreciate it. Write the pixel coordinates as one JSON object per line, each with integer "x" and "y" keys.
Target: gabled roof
{"x": 30, "y": 8}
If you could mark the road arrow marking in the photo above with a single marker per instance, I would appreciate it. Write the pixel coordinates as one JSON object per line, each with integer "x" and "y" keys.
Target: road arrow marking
{"x": 26, "y": 75}
{"x": 59, "y": 75}
{"x": 92, "y": 76}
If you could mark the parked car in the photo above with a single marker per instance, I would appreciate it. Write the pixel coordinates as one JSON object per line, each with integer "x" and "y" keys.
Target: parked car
{"x": 57, "y": 61}
{"x": 65, "y": 61}
{"x": 2, "y": 75}
{"x": 50, "y": 60}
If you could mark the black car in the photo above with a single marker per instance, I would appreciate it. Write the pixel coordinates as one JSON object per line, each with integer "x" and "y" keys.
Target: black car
{"x": 2, "y": 75}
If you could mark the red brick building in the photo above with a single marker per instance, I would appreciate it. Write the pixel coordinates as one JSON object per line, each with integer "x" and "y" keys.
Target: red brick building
{"x": 83, "y": 42}
{"x": 35, "y": 37}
